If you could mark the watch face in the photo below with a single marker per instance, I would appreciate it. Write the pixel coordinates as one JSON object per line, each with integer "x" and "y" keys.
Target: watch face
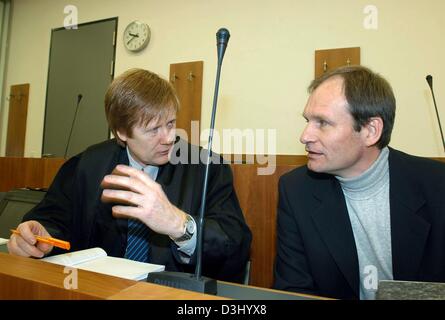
{"x": 190, "y": 227}
{"x": 136, "y": 36}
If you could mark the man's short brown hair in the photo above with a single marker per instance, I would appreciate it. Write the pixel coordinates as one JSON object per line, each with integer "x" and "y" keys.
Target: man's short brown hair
{"x": 136, "y": 97}
{"x": 368, "y": 95}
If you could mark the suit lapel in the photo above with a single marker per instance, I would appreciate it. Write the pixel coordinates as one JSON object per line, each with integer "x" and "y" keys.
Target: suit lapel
{"x": 121, "y": 223}
{"x": 332, "y": 221}
{"x": 169, "y": 174}
{"x": 409, "y": 231}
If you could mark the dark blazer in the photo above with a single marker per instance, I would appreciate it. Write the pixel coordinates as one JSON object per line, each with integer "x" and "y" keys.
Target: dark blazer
{"x": 316, "y": 251}
{"x": 72, "y": 210}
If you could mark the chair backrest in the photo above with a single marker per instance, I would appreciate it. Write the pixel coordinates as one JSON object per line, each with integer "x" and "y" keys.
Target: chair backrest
{"x": 2, "y": 195}
{"x": 13, "y": 207}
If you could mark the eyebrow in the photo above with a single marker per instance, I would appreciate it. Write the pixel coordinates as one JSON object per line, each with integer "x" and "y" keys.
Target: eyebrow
{"x": 158, "y": 126}
{"x": 318, "y": 118}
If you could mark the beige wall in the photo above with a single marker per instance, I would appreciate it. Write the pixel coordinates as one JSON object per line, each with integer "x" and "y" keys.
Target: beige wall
{"x": 269, "y": 61}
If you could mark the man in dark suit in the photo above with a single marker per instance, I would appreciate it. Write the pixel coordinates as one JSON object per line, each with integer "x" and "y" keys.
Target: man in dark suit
{"x": 359, "y": 212}
{"x": 138, "y": 195}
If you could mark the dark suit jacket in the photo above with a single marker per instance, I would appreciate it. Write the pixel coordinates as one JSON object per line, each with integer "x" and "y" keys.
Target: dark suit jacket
{"x": 316, "y": 251}
{"x": 72, "y": 210}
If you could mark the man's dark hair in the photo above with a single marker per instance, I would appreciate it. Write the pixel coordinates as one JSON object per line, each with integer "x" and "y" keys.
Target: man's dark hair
{"x": 368, "y": 95}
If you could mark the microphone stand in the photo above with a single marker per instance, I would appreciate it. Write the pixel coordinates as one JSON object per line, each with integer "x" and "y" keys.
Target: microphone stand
{"x": 222, "y": 38}
{"x": 79, "y": 98}
{"x": 429, "y": 79}
{"x": 189, "y": 281}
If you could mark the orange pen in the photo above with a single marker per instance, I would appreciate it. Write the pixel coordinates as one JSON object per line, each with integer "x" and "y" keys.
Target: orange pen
{"x": 55, "y": 242}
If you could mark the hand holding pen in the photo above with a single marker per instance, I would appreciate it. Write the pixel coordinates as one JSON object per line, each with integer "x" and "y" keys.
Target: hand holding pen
{"x": 32, "y": 240}
{"x": 49, "y": 240}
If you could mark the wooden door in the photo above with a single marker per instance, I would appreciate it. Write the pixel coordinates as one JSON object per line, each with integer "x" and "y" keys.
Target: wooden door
{"x": 81, "y": 67}
{"x": 18, "y": 113}
{"x": 187, "y": 80}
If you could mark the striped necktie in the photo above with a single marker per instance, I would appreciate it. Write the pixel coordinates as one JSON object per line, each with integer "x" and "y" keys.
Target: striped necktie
{"x": 137, "y": 240}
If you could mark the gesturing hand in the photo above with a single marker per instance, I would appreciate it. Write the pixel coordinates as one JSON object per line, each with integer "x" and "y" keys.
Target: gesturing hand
{"x": 140, "y": 197}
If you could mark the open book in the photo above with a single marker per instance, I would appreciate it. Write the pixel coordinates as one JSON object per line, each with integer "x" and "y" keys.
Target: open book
{"x": 96, "y": 260}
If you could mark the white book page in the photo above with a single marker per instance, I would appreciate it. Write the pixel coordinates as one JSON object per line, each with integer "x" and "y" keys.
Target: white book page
{"x": 3, "y": 241}
{"x": 120, "y": 267}
{"x": 78, "y": 257}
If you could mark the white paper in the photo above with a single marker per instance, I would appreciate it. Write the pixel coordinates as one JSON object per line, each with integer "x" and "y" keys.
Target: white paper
{"x": 76, "y": 258}
{"x": 120, "y": 267}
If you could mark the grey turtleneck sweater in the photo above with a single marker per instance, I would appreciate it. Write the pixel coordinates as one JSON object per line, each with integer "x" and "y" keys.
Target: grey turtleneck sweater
{"x": 367, "y": 200}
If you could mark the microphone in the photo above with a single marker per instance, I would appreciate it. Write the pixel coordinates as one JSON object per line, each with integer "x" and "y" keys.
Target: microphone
{"x": 222, "y": 38}
{"x": 79, "y": 98}
{"x": 189, "y": 281}
{"x": 429, "y": 79}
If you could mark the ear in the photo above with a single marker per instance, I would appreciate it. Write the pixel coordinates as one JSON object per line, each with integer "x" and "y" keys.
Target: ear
{"x": 373, "y": 131}
{"x": 121, "y": 135}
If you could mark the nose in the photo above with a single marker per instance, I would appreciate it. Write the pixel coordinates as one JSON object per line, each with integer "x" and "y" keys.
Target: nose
{"x": 168, "y": 135}
{"x": 307, "y": 135}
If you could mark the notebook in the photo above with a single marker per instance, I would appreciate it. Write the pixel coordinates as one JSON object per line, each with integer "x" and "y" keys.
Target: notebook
{"x": 97, "y": 260}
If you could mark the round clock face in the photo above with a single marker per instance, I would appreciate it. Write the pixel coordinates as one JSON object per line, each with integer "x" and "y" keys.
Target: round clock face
{"x": 136, "y": 36}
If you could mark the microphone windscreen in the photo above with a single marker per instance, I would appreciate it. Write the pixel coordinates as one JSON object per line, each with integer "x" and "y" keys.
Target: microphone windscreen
{"x": 429, "y": 79}
{"x": 222, "y": 36}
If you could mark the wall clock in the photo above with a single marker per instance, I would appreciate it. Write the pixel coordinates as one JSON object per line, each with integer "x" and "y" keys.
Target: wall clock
{"x": 136, "y": 36}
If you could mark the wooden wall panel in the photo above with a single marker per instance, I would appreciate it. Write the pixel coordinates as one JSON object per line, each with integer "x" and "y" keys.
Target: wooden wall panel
{"x": 50, "y": 169}
{"x": 18, "y": 113}
{"x": 27, "y": 172}
{"x": 258, "y": 199}
{"x": 186, "y": 77}
{"x": 280, "y": 159}
{"x": 327, "y": 60}
{"x": 258, "y": 196}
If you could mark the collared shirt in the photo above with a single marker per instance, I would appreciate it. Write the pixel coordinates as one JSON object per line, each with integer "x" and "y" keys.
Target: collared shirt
{"x": 186, "y": 247}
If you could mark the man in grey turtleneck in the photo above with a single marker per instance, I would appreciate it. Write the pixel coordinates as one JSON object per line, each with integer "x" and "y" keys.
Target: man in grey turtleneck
{"x": 359, "y": 212}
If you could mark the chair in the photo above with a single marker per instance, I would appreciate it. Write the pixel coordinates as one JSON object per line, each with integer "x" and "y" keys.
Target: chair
{"x": 13, "y": 207}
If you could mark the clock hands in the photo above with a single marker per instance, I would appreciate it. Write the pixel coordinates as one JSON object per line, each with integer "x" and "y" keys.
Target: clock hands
{"x": 133, "y": 36}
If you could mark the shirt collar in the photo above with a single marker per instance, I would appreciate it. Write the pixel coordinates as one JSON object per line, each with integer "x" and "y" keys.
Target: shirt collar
{"x": 152, "y": 171}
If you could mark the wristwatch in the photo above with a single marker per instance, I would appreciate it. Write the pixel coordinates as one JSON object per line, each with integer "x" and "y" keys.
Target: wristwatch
{"x": 189, "y": 229}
